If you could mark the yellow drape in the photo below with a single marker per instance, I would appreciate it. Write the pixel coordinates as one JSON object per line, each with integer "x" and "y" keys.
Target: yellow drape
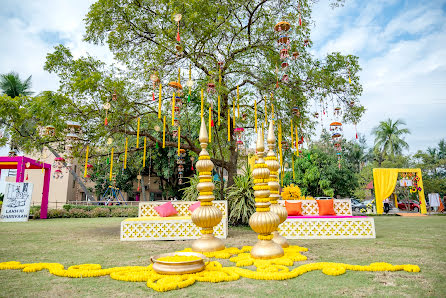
{"x": 384, "y": 181}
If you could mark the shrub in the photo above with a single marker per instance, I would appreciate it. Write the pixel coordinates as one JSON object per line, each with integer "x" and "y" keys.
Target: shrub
{"x": 78, "y": 213}
{"x": 34, "y": 211}
{"x": 240, "y": 198}
{"x": 57, "y": 213}
{"x": 124, "y": 212}
{"x": 100, "y": 212}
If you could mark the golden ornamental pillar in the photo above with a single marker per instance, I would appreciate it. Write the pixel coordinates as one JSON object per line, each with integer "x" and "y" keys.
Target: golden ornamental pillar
{"x": 263, "y": 221}
{"x": 207, "y": 215}
{"x": 273, "y": 183}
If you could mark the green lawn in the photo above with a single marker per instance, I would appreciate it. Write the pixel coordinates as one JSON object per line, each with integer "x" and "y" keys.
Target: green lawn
{"x": 399, "y": 240}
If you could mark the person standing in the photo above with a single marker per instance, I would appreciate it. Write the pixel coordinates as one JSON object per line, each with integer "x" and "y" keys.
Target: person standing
{"x": 386, "y": 205}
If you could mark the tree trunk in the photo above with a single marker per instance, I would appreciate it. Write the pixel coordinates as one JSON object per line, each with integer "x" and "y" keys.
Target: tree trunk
{"x": 76, "y": 177}
{"x": 143, "y": 189}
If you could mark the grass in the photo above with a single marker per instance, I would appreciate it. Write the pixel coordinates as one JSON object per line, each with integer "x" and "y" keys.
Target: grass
{"x": 399, "y": 240}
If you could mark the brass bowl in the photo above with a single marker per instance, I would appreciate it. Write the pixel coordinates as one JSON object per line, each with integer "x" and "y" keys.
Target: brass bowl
{"x": 163, "y": 267}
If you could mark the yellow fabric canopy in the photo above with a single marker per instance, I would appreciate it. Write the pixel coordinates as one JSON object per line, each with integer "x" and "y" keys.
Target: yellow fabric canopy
{"x": 385, "y": 182}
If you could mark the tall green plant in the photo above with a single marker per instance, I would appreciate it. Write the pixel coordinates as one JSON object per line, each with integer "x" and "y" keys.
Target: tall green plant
{"x": 240, "y": 198}
{"x": 190, "y": 193}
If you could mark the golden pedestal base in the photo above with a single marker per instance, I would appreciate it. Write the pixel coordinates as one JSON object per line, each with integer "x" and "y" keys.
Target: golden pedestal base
{"x": 266, "y": 249}
{"x": 207, "y": 243}
{"x": 282, "y": 241}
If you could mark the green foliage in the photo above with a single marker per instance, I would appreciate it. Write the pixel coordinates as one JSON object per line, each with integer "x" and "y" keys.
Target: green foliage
{"x": 190, "y": 193}
{"x": 317, "y": 173}
{"x": 57, "y": 213}
{"x": 240, "y": 198}
{"x": 389, "y": 138}
{"x": 13, "y": 86}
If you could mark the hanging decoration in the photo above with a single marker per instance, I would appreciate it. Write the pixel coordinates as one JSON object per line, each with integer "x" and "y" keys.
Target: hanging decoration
{"x": 164, "y": 132}
{"x": 58, "y": 164}
{"x": 255, "y": 115}
{"x": 337, "y": 112}
{"x": 106, "y": 107}
{"x": 177, "y": 19}
{"x": 178, "y": 47}
{"x": 160, "y": 101}
{"x": 192, "y": 163}
{"x": 229, "y": 125}
{"x": 336, "y": 126}
{"x": 125, "y": 152}
{"x": 239, "y": 133}
{"x": 155, "y": 80}
{"x": 283, "y": 44}
{"x": 144, "y": 153}
{"x": 238, "y": 102}
{"x": 111, "y": 164}
{"x": 50, "y": 131}
{"x": 296, "y": 111}
{"x": 210, "y": 124}
{"x": 189, "y": 83}
{"x": 86, "y": 162}
{"x": 180, "y": 164}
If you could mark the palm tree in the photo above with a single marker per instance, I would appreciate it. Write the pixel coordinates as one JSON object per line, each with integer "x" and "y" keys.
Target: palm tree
{"x": 389, "y": 138}
{"x": 13, "y": 86}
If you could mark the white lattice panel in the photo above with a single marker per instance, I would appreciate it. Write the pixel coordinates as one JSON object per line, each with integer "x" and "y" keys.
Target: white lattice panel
{"x": 183, "y": 229}
{"x": 310, "y": 207}
{"x": 182, "y": 207}
{"x": 328, "y": 228}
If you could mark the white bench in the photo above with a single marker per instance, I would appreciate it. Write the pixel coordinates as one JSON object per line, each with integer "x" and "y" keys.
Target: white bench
{"x": 150, "y": 226}
{"x": 313, "y": 226}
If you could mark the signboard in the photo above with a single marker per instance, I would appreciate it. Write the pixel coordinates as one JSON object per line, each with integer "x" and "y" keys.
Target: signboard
{"x": 405, "y": 182}
{"x": 17, "y": 201}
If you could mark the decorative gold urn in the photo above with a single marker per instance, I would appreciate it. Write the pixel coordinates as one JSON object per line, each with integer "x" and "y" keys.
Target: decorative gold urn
{"x": 207, "y": 215}
{"x": 263, "y": 221}
{"x": 273, "y": 183}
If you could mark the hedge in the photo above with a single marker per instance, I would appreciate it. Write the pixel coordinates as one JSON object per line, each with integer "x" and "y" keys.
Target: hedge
{"x": 74, "y": 211}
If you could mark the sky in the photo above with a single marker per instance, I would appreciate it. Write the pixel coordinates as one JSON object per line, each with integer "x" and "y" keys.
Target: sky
{"x": 401, "y": 47}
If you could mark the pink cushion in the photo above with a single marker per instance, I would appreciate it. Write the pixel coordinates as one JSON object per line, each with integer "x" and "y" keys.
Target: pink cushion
{"x": 166, "y": 209}
{"x": 194, "y": 206}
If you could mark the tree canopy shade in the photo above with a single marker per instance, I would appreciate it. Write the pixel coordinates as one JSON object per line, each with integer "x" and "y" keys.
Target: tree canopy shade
{"x": 230, "y": 43}
{"x": 13, "y": 86}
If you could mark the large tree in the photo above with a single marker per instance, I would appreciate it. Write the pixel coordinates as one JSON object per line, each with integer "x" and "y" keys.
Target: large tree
{"x": 240, "y": 35}
{"x": 389, "y": 138}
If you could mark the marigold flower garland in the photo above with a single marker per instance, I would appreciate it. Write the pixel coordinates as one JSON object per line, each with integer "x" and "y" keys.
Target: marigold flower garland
{"x": 273, "y": 269}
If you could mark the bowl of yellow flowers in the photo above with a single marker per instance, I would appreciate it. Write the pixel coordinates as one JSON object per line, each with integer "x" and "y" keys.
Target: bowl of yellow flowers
{"x": 179, "y": 262}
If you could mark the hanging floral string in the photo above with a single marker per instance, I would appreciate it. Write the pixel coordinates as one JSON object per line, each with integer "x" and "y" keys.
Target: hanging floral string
{"x": 233, "y": 114}
{"x": 159, "y": 102}
{"x": 173, "y": 109}
{"x": 164, "y": 132}
{"x": 210, "y": 124}
{"x": 255, "y": 115}
{"x": 202, "y": 102}
{"x": 238, "y": 103}
{"x": 86, "y": 162}
{"x": 297, "y": 141}
{"x": 179, "y": 139}
{"x": 125, "y": 153}
{"x": 266, "y": 111}
{"x": 144, "y": 154}
{"x": 292, "y": 134}
{"x": 229, "y": 125}
{"x": 137, "y": 134}
{"x": 111, "y": 164}
{"x": 292, "y": 164}
{"x": 218, "y": 109}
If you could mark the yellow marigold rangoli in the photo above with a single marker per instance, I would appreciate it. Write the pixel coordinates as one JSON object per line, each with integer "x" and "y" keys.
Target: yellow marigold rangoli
{"x": 274, "y": 269}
